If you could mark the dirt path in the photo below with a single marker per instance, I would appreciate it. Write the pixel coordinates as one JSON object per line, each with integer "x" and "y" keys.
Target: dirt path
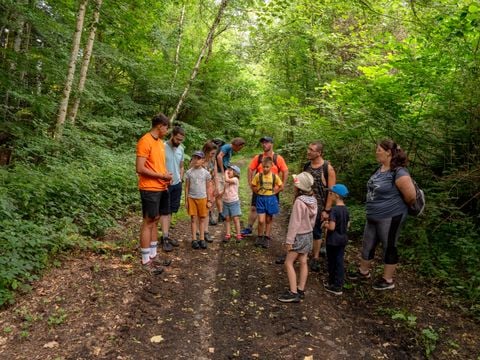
{"x": 221, "y": 304}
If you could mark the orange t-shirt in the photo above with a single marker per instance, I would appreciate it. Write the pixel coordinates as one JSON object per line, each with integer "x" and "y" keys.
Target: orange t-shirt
{"x": 154, "y": 151}
{"x": 282, "y": 165}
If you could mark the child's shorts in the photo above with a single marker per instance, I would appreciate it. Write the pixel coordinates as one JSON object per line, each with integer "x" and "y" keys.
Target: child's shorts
{"x": 231, "y": 209}
{"x": 197, "y": 207}
{"x": 303, "y": 243}
{"x": 267, "y": 204}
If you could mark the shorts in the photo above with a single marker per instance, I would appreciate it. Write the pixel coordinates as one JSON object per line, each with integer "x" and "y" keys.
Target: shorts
{"x": 267, "y": 204}
{"x": 303, "y": 243}
{"x": 175, "y": 192}
{"x": 385, "y": 231}
{"x": 254, "y": 199}
{"x": 317, "y": 228}
{"x": 155, "y": 203}
{"x": 231, "y": 209}
{"x": 197, "y": 207}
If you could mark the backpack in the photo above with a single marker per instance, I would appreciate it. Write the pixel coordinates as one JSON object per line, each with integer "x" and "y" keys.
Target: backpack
{"x": 325, "y": 175}
{"x": 419, "y": 205}
{"x": 260, "y": 180}
{"x": 260, "y": 159}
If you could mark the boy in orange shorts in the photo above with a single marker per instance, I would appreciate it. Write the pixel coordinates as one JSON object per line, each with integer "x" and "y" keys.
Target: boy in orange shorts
{"x": 197, "y": 203}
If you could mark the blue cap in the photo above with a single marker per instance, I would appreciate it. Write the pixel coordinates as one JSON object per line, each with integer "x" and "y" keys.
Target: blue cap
{"x": 266, "y": 139}
{"x": 200, "y": 154}
{"x": 235, "y": 168}
{"x": 339, "y": 189}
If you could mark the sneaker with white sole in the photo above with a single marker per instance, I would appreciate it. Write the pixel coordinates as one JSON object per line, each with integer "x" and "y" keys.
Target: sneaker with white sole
{"x": 333, "y": 289}
{"x": 358, "y": 275}
{"x": 289, "y": 297}
{"x": 382, "y": 284}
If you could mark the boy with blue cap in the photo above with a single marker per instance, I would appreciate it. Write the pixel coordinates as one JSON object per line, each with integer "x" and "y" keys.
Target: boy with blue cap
{"x": 337, "y": 239}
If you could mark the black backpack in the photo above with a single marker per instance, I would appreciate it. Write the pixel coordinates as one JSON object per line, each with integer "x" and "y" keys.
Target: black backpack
{"x": 325, "y": 174}
{"x": 419, "y": 205}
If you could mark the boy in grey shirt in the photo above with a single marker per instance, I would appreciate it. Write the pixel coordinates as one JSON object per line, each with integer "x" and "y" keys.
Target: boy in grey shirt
{"x": 197, "y": 203}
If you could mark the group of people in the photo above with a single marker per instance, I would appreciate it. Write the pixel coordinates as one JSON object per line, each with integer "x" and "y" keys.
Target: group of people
{"x": 318, "y": 212}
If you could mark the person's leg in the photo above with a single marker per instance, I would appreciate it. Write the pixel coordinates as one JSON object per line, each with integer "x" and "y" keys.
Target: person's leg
{"x": 236, "y": 221}
{"x": 317, "y": 236}
{"x": 369, "y": 244}
{"x": 261, "y": 224}
{"x": 331, "y": 264}
{"x": 227, "y": 225}
{"x": 252, "y": 216}
{"x": 303, "y": 275}
{"x": 290, "y": 269}
{"x": 339, "y": 252}
{"x": 201, "y": 229}
{"x": 193, "y": 224}
{"x": 146, "y": 230}
{"x": 268, "y": 225}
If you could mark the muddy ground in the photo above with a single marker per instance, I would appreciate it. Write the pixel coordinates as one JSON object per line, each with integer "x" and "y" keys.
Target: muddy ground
{"x": 221, "y": 303}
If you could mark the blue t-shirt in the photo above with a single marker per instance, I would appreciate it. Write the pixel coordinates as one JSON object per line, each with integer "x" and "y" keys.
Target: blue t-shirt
{"x": 338, "y": 237}
{"x": 174, "y": 157}
{"x": 384, "y": 200}
{"x": 227, "y": 150}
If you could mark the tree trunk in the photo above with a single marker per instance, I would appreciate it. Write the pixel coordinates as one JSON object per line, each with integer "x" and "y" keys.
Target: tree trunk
{"x": 196, "y": 68}
{"x": 62, "y": 112}
{"x": 86, "y": 61}
{"x": 177, "y": 52}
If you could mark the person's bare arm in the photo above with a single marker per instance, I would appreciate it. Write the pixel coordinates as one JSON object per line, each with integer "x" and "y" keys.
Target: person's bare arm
{"x": 407, "y": 189}
{"x": 143, "y": 170}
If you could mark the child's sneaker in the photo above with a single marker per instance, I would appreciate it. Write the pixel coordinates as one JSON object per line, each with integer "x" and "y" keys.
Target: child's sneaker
{"x": 203, "y": 244}
{"x": 315, "y": 265}
{"x": 227, "y": 238}
{"x": 246, "y": 232}
{"x": 358, "y": 275}
{"x": 301, "y": 293}
{"x": 382, "y": 284}
{"x": 156, "y": 260}
{"x": 289, "y": 297}
{"x": 266, "y": 242}
{"x": 207, "y": 236}
{"x": 333, "y": 289}
{"x": 195, "y": 244}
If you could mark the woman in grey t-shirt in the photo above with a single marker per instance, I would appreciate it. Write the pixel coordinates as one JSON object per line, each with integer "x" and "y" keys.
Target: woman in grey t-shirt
{"x": 390, "y": 191}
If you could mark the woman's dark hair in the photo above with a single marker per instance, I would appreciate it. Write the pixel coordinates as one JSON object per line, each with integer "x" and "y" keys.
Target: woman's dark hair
{"x": 399, "y": 158}
{"x": 209, "y": 146}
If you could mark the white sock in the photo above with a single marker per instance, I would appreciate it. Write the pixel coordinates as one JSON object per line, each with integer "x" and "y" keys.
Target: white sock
{"x": 145, "y": 255}
{"x": 153, "y": 249}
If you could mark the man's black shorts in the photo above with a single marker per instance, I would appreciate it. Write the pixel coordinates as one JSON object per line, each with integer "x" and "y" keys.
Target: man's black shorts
{"x": 175, "y": 192}
{"x": 155, "y": 203}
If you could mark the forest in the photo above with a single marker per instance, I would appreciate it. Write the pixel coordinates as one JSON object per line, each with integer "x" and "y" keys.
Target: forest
{"x": 80, "y": 81}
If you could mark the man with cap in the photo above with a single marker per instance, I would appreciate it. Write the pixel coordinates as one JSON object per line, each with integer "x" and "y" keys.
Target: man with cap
{"x": 279, "y": 167}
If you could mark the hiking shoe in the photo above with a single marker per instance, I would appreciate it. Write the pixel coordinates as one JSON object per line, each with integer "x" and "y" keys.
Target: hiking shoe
{"x": 203, "y": 244}
{"x": 195, "y": 244}
{"x": 323, "y": 251}
{"x": 174, "y": 242}
{"x": 246, "y": 232}
{"x": 280, "y": 260}
{"x": 315, "y": 265}
{"x": 358, "y": 275}
{"x": 266, "y": 242}
{"x": 382, "y": 284}
{"x": 212, "y": 221}
{"x": 227, "y": 238}
{"x": 207, "y": 237}
{"x": 261, "y": 241}
{"x": 156, "y": 260}
{"x": 301, "y": 293}
{"x": 166, "y": 245}
{"x": 289, "y": 297}
{"x": 152, "y": 268}
{"x": 333, "y": 289}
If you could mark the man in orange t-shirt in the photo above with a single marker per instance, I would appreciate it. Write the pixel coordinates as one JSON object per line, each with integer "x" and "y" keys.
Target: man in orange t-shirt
{"x": 153, "y": 181}
{"x": 279, "y": 167}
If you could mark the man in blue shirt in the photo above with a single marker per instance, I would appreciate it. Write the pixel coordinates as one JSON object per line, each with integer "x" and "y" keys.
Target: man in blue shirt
{"x": 174, "y": 155}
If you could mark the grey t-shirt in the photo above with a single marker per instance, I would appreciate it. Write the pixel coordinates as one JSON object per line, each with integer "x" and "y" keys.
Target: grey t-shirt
{"x": 197, "y": 179}
{"x": 384, "y": 200}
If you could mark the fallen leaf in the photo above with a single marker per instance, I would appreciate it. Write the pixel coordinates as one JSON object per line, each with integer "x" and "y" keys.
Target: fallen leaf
{"x": 211, "y": 350}
{"x": 309, "y": 357}
{"x": 156, "y": 339}
{"x": 50, "y": 345}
